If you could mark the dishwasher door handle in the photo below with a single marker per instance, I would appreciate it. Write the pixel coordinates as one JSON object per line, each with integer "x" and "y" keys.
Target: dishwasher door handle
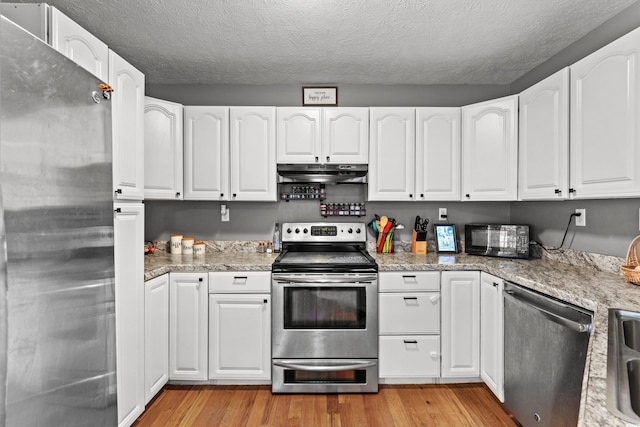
{"x": 568, "y": 323}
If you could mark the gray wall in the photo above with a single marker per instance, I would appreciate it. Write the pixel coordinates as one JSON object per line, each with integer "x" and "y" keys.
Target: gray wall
{"x": 611, "y": 224}
{"x": 348, "y": 95}
{"x": 255, "y": 220}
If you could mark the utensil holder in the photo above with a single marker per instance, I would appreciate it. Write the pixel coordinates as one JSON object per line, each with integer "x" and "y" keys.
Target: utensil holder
{"x": 419, "y": 242}
{"x": 384, "y": 243}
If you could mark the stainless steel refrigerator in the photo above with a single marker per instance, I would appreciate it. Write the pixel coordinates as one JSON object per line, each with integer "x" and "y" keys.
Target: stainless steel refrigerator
{"x": 57, "y": 315}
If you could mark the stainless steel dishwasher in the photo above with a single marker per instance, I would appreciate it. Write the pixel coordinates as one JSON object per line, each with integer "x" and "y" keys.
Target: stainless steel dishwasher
{"x": 545, "y": 345}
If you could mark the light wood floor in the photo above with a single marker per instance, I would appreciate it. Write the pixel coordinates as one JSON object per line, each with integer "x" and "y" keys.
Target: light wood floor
{"x": 397, "y": 405}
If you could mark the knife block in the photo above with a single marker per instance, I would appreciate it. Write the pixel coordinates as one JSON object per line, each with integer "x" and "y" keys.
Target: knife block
{"x": 419, "y": 242}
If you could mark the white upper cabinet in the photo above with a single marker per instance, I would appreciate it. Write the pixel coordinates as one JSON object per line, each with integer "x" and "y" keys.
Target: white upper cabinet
{"x": 162, "y": 149}
{"x": 345, "y": 135}
{"x": 391, "y": 153}
{"x": 437, "y": 154}
{"x": 252, "y": 140}
{"x": 323, "y": 135}
{"x": 605, "y": 101}
{"x": 128, "y": 128}
{"x": 490, "y": 149}
{"x": 544, "y": 139}
{"x": 78, "y": 44}
{"x": 206, "y": 153}
{"x": 299, "y": 135}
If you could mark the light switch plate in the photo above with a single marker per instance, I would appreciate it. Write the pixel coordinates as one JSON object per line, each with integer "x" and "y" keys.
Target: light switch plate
{"x": 581, "y": 221}
{"x": 224, "y": 213}
{"x": 442, "y": 214}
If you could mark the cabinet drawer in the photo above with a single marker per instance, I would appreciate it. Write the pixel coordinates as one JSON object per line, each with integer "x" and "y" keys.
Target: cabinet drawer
{"x": 409, "y": 356}
{"x": 398, "y": 281}
{"x": 239, "y": 282}
{"x": 409, "y": 313}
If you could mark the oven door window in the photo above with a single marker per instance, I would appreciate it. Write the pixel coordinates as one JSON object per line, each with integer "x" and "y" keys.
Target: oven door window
{"x": 310, "y": 307}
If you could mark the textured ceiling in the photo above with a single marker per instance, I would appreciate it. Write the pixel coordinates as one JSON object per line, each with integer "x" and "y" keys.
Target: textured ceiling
{"x": 338, "y": 41}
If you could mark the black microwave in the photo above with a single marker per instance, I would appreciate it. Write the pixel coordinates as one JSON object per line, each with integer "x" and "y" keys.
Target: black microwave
{"x": 499, "y": 240}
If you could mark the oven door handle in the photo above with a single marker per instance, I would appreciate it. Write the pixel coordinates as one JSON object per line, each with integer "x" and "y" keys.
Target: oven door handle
{"x": 325, "y": 279}
{"x": 326, "y": 368}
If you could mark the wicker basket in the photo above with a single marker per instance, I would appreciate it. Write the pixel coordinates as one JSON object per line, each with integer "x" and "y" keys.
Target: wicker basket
{"x": 631, "y": 267}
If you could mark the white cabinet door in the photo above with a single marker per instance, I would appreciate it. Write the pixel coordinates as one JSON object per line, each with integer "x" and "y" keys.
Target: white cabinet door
{"x": 240, "y": 336}
{"x": 299, "y": 135}
{"x": 128, "y": 234}
{"x": 188, "y": 326}
{"x": 253, "y": 153}
{"x": 162, "y": 149}
{"x": 460, "y": 323}
{"x": 206, "y": 153}
{"x": 492, "y": 333}
{"x": 409, "y": 356}
{"x": 345, "y": 135}
{"x": 490, "y": 149}
{"x": 156, "y": 335}
{"x": 438, "y": 154}
{"x": 78, "y": 44}
{"x": 128, "y": 128}
{"x": 605, "y": 101}
{"x": 543, "y": 151}
{"x": 409, "y": 313}
{"x": 391, "y": 153}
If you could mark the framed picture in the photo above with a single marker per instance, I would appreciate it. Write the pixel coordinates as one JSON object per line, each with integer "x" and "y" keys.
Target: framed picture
{"x": 320, "y": 96}
{"x": 446, "y": 238}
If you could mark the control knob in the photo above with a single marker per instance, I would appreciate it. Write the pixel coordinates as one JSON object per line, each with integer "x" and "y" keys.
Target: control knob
{"x": 350, "y": 231}
{"x": 305, "y": 231}
{"x": 357, "y": 231}
{"x": 288, "y": 230}
{"x": 297, "y": 230}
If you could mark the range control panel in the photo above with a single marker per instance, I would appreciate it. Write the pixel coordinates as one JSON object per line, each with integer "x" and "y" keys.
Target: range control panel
{"x": 323, "y": 232}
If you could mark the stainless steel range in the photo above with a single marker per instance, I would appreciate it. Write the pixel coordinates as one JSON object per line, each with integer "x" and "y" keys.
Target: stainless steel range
{"x": 325, "y": 310}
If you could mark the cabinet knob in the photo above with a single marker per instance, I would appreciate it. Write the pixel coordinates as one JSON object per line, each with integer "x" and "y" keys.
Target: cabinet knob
{"x": 572, "y": 190}
{"x": 265, "y": 301}
{"x": 117, "y": 210}
{"x": 495, "y": 285}
{"x": 557, "y": 191}
{"x": 119, "y": 191}
{"x": 178, "y": 194}
{"x": 410, "y": 196}
{"x": 328, "y": 159}
{"x": 221, "y": 195}
{"x": 434, "y": 298}
{"x": 434, "y": 354}
{"x": 317, "y": 159}
{"x": 467, "y": 196}
{"x": 421, "y": 195}
{"x": 234, "y": 194}
{"x": 200, "y": 279}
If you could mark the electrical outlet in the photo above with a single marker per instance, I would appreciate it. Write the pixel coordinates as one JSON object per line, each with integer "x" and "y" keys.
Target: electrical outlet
{"x": 442, "y": 214}
{"x": 581, "y": 221}
{"x": 224, "y": 213}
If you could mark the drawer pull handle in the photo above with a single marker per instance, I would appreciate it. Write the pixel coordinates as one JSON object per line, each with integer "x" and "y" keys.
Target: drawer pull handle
{"x": 240, "y": 277}
{"x": 410, "y": 342}
{"x": 410, "y": 298}
{"x": 408, "y": 277}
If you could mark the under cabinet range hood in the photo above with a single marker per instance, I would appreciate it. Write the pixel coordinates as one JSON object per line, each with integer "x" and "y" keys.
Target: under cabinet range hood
{"x": 329, "y": 174}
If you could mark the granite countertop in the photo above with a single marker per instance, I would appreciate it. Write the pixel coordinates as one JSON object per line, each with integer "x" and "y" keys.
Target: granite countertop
{"x": 585, "y": 286}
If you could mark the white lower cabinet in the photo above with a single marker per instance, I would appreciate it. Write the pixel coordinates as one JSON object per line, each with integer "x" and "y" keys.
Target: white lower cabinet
{"x": 128, "y": 234}
{"x": 188, "y": 326}
{"x": 240, "y": 326}
{"x": 156, "y": 335}
{"x": 409, "y": 326}
{"x": 460, "y": 323}
{"x": 492, "y": 333}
